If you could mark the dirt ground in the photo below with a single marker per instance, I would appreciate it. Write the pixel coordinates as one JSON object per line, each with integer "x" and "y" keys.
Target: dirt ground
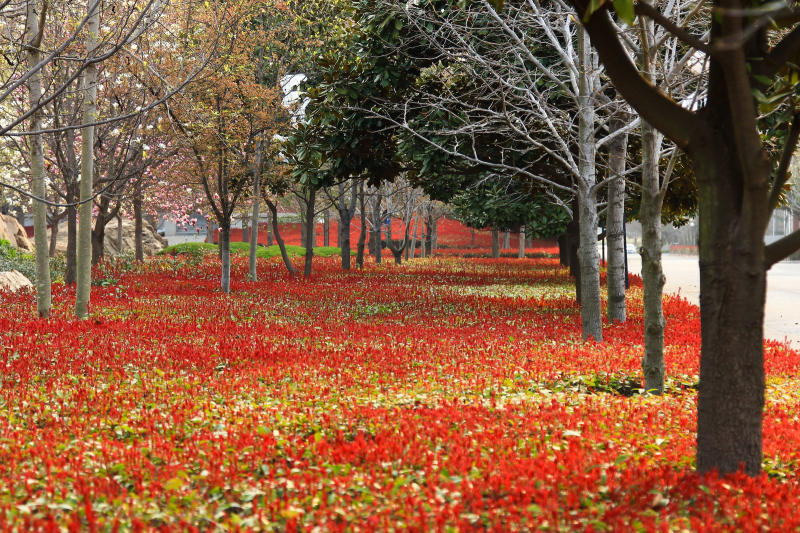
{"x": 782, "y": 319}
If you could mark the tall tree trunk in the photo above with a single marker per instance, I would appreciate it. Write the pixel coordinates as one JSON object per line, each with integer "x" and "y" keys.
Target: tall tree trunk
{"x": 326, "y": 228}
{"x": 435, "y": 233}
{"x": 345, "y": 216}
{"x": 38, "y": 185}
{"x": 311, "y": 234}
{"x": 137, "y": 226}
{"x": 225, "y": 255}
{"x": 253, "y": 259}
{"x": 119, "y": 232}
{"x": 429, "y": 225}
{"x": 53, "y": 238}
{"x": 732, "y": 288}
{"x": 495, "y": 243}
{"x": 99, "y": 231}
{"x": 277, "y": 232}
{"x": 591, "y": 308}
{"x": 377, "y": 224}
{"x": 506, "y": 240}
{"x": 652, "y": 273}
{"x": 521, "y": 251}
{"x": 363, "y": 234}
{"x": 563, "y": 249}
{"x": 615, "y": 218}
{"x": 71, "y": 271}
{"x": 84, "y": 251}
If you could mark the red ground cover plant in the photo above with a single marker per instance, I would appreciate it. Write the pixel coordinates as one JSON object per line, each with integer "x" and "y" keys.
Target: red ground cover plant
{"x": 441, "y": 395}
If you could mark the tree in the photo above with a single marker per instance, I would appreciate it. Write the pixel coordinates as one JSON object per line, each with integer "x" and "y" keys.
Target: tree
{"x": 750, "y": 104}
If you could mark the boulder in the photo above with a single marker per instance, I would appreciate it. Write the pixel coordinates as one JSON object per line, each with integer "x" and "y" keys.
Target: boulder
{"x": 13, "y": 232}
{"x": 13, "y": 281}
{"x": 152, "y": 242}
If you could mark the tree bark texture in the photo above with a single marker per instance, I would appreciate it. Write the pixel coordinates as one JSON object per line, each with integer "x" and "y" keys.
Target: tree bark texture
{"x": 591, "y": 309}
{"x": 363, "y": 234}
{"x": 137, "y": 227}
{"x": 38, "y": 185}
{"x": 277, "y": 232}
{"x": 495, "y": 243}
{"x": 652, "y": 272}
{"x": 84, "y": 249}
{"x": 71, "y": 270}
{"x": 311, "y": 233}
{"x": 615, "y": 232}
{"x": 521, "y": 251}
{"x": 53, "y": 239}
{"x": 253, "y": 258}
{"x": 506, "y": 240}
{"x": 225, "y": 256}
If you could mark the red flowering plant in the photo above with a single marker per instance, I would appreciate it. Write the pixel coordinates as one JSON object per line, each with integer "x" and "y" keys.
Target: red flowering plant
{"x": 441, "y": 395}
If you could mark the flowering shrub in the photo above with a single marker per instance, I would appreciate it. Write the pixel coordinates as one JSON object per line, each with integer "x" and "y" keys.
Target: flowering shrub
{"x": 441, "y": 395}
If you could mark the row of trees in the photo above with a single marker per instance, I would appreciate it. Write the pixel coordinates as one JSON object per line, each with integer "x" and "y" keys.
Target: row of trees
{"x": 535, "y": 114}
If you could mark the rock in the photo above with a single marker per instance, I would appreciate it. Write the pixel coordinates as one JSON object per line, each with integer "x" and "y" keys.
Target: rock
{"x": 13, "y": 281}
{"x": 152, "y": 242}
{"x": 13, "y": 232}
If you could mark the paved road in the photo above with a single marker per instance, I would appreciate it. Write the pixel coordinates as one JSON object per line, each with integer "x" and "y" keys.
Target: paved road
{"x": 782, "y": 319}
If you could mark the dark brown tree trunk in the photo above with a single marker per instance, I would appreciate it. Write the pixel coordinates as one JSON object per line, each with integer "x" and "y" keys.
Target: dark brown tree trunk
{"x": 363, "y": 235}
{"x": 71, "y": 272}
{"x": 311, "y": 233}
{"x": 732, "y": 288}
{"x": 137, "y": 227}
{"x": 430, "y": 223}
{"x": 225, "y": 256}
{"x": 376, "y": 238}
{"x": 99, "y": 231}
{"x": 345, "y": 216}
{"x": 273, "y": 208}
{"x": 326, "y": 228}
{"x": 563, "y": 249}
{"x": 270, "y": 241}
{"x": 53, "y": 238}
{"x": 495, "y": 243}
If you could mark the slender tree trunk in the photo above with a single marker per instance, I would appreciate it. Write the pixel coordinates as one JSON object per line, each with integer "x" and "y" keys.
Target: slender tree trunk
{"x": 363, "y": 235}
{"x": 345, "y": 216}
{"x": 563, "y": 249}
{"x": 137, "y": 227}
{"x": 53, "y": 237}
{"x": 253, "y": 259}
{"x": 615, "y": 233}
{"x": 99, "y": 231}
{"x": 119, "y": 233}
{"x": 84, "y": 251}
{"x": 435, "y": 233}
{"x": 225, "y": 255}
{"x": 38, "y": 185}
{"x": 377, "y": 224}
{"x": 495, "y": 243}
{"x": 429, "y": 225}
{"x": 652, "y": 274}
{"x": 71, "y": 271}
{"x": 591, "y": 308}
{"x": 311, "y": 234}
{"x": 506, "y": 240}
{"x": 277, "y": 232}
{"x": 521, "y": 252}
{"x": 326, "y": 228}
